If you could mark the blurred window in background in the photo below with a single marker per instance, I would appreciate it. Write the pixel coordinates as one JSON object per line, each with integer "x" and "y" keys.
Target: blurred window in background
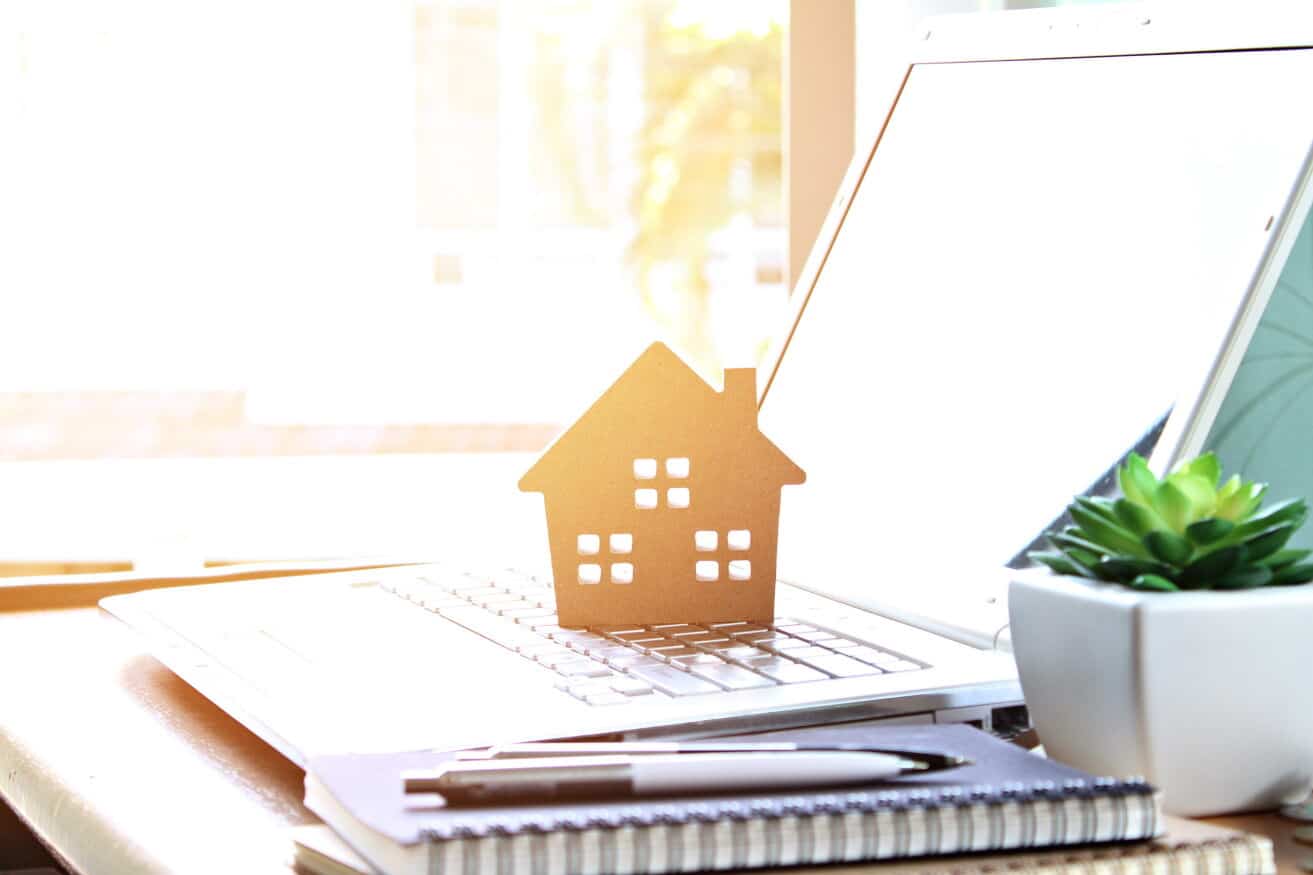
{"x": 252, "y": 231}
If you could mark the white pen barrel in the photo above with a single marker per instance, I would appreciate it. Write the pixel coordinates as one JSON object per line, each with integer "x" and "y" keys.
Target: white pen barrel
{"x": 709, "y": 772}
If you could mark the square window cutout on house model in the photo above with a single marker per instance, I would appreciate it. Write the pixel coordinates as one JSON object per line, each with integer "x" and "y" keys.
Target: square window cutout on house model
{"x": 663, "y": 501}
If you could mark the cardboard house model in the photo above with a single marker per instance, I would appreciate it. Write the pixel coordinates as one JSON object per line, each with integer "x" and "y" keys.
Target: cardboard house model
{"x": 663, "y": 501}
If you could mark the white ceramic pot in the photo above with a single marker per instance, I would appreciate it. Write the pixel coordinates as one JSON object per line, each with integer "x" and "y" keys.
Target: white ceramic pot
{"x": 1209, "y": 695}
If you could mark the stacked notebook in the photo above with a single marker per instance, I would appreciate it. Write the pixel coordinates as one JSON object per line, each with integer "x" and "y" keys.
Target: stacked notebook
{"x": 1187, "y": 846}
{"x": 1008, "y": 800}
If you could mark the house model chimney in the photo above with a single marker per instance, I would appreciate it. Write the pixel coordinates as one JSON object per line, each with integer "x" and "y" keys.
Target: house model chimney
{"x": 740, "y": 393}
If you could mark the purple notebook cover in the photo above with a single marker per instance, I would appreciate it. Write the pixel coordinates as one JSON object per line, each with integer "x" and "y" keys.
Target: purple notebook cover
{"x": 369, "y": 785}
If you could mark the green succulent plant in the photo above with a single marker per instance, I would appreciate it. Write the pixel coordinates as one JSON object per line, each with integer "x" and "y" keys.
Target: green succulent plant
{"x": 1186, "y": 531}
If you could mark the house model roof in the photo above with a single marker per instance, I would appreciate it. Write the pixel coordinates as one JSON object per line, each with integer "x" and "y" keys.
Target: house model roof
{"x": 660, "y": 401}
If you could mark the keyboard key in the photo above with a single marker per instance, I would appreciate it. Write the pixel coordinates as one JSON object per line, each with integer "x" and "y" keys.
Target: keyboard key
{"x": 759, "y": 656}
{"x": 608, "y": 699}
{"x": 624, "y": 663}
{"x": 702, "y": 637}
{"x": 658, "y": 645}
{"x": 737, "y": 653}
{"x": 636, "y": 637}
{"x": 582, "y": 668}
{"x": 524, "y": 590}
{"x": 496, "y": 597}
{"x": 579, "y": 689}
{"x": 403, "y": 587}
{"x": 669, "y": 679}
{"x": 586, "y": 644}
{"x": 500, "y": 609}
{"x": 435, "y": 602}
{"x": 565, "y": 633}
{"x": 698, "y": 658}
{"x": 534, "y": 649}
{"x": 784, "y": 645}
{"x": 786, "y": 671}
{"x": 717, "y": 646}
{"x": 540, "y": 624}
{"x": 447, "y": 578}
{"x": 472, "y": 586}
{"x": 836, "y": 664}
{"x": 872, "y": 656}
{"x": 669, "y": 653}
{"x": 805, "y": 653}
{"x": 552, "y": 659}
{"x": 566, "y": 636}
{"x": 615, "y": 651}
{"x": 760, "y": 639}
{"x": 882, "y": 659}
{"x": 731, "y": 677}
{"x": 653, "y": 644}
{"x": 410, "y": 592}
{"x": 630, "y": 686}
{"x": 529, "y": 611}
{"x": 750, "y": 659}
{"x": 841, "y": 644}
{"x": 516, "y": 581}
{"x": 515, "y": 638}
{"x": 813, "y": 634}
{"x": 515, "y": 603}
{"x": 671, "y": 630}
{"x": 488, "y": 625}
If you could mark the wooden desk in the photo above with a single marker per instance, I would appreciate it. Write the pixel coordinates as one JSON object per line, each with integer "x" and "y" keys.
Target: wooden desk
{"x": 120, "y": 767}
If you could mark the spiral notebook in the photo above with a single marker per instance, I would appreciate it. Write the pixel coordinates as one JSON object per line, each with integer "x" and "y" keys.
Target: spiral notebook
{"x": 1007, "y": 799}
{"x": 1187, "y": 846}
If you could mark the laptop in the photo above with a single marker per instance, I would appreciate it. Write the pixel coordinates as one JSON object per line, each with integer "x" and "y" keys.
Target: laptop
{"x": 1057, "y": 235}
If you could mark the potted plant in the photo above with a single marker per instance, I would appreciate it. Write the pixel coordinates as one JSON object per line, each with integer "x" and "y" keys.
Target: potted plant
{"x": 1174, "y": 639}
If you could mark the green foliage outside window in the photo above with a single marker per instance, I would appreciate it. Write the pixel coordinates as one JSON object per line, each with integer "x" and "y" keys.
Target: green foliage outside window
{"x": 710, "y": 151}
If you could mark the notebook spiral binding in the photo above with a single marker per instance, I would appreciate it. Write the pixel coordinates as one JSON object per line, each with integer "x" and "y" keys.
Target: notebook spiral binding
{"x": 793, "y": 830}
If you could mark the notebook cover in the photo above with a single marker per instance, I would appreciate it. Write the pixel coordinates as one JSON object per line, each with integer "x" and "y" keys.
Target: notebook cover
{"x": 369, "y": 786}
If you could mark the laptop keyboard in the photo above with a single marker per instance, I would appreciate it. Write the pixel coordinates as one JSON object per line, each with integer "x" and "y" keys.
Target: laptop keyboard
{"x": 618, "y": 665}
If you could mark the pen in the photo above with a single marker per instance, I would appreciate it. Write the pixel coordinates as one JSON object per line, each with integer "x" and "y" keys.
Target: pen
{"x": 534, "y": 779}
{"x": 933, "y": 761}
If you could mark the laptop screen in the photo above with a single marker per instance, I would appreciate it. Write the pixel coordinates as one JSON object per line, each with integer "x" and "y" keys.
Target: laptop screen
{"x": 1263, "y": 424}
{"x": 1039, "y": 256}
